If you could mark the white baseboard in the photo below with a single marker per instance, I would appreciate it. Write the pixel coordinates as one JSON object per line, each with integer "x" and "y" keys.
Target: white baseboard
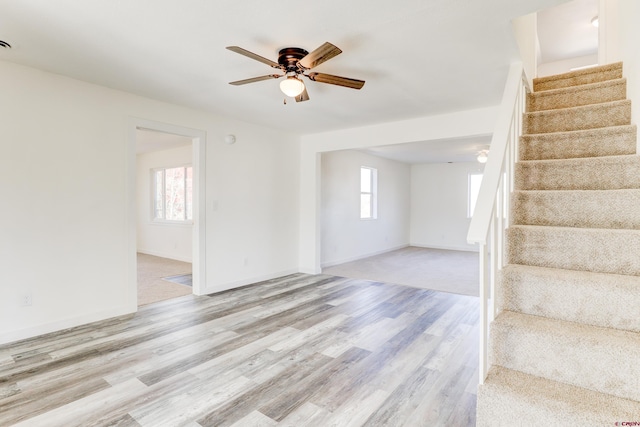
{"x": 34, "y": 331}
{"x": 236, "y": 284}
{"x": 166, "y": 255}
{"x": 447, "y": 248}
{"x": 362, "y": 256}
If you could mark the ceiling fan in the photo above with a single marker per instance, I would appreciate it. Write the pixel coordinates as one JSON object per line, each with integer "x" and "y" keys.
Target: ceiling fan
{"x": 295, "y": 62}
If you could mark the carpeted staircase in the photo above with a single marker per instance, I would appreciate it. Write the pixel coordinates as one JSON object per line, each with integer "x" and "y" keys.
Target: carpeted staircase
{"x": 565, "y": 348}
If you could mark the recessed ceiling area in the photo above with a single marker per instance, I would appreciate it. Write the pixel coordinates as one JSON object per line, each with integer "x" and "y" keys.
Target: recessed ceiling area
{"x": 435, "y": 151}
{"x": 565, "y": 31}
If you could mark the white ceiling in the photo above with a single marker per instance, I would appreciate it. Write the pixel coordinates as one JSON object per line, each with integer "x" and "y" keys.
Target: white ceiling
{"x": 418, "y": 57}
{"x": 436, "y": 151}
{"x": 566, "y": 31}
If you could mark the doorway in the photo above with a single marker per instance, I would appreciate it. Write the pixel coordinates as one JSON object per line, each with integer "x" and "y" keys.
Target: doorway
{"x": 166, "y": 215}
{"x": 164, "y": 175}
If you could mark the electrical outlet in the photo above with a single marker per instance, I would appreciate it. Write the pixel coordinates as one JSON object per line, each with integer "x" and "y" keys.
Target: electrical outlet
{"x": 27, "y": 300}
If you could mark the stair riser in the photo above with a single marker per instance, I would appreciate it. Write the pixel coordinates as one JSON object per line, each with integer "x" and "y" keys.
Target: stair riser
{"x": 579, "y": 118}
{"x": 577, "y": 96}
{"x": 510, "y": 398}
{"x": 589, "y": 298}
{"x": 592, "y": 143}
{"x": 606, "y": 173}
{"x": 586, "y": 209}
{"x": 571, "y": 356}
{"x": 595, "y": 250}
{"x": 595, "y": 75}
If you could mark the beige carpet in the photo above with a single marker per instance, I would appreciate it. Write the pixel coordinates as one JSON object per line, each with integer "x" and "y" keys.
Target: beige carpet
{"x": 437, "y": 269}
{"x": 564, "y": 344}
{"x": 151, "y": 287}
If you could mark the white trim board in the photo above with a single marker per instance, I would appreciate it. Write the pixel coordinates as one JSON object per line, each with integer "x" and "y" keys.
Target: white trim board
{"x": 359, "y": 257}
{"x": 46, "y": 328}
{"x": 199, "y": 206}
{"x": 253, "y": 280}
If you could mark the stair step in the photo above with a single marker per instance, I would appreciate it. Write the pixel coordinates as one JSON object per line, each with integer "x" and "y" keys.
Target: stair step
{"x": 576, "y": 96}
{"x": 511, "y": 398}
{"x": 588, "y": 249}
{"x": 579, "y": 77}
{"x": 600, "y": 359}
{"x": 607, "y": 141}
{"x": 589, "y": 173}
{"x": 616, "y": 113}
{"x": 577, "y": 208}
{"x": 577, "y": 296}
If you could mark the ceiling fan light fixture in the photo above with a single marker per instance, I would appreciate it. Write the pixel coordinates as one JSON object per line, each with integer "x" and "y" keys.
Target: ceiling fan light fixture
{"x": 483, "y": 156}
{"x": 292, "y": 86}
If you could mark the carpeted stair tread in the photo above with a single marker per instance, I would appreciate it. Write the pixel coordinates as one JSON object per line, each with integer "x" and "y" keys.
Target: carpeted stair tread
{"x": 510, "y": 398}
{"x": 606, "y": 141}
{"x": 599, "y": 359}
{"x": 563, "y": 346}
{"x": 588, "y": 249}
{"x": 577, "y": 208}
{"x": 589, "y": 173}
{"x": 579, "y": 77}
{"x": 596, "y": 299}
{"x": 616, "y": 113}
{"x": 576, "y": 96}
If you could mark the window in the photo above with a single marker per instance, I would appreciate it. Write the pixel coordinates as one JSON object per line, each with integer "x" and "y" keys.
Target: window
{"x": 368, "y": 193}
{"x": 172, "y": 194}
{"x": 474, "y": 188}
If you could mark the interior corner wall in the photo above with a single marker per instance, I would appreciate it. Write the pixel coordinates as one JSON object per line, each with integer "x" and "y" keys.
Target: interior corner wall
{"x": 525, "y": 29}
{"x": 629, "y": 34}
{"x": 344, "y": 236}
{"x": 565, "y": 65}
{"x": 618, "y": 40}
{"x": 439, "y": 198}
{"x": 67, "y": 210}
{"x": 167, "y": 240}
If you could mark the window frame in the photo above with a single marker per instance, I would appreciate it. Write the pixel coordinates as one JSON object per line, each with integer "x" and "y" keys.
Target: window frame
{"x": 154, "y": 194}
{"x": 372, "y": 194}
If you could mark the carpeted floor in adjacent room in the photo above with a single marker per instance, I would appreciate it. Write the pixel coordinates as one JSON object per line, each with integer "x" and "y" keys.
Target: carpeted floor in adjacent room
{"x": 151, "y": 285}
{"x": 438, "y": 269}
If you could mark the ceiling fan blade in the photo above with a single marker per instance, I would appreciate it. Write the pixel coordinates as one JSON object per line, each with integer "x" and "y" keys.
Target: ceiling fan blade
{"x": 336, "y": 80}
{"x": 252, "y": 55}
{"x": 320, "y": 55}
{"x": 255, "y": 79}
{"x": 304, "y": 96}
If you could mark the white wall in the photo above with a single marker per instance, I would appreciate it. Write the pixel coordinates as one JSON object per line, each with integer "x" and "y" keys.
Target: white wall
{"x": 525, "y": 31}
{"x": 439, "y": 193}
{"x": 167, "y": 240}
{"x": 564, "y": 66}
{"x": 67, "y": 188}
{"x": 345, "y": 237}
{"x": 618, "y": 41}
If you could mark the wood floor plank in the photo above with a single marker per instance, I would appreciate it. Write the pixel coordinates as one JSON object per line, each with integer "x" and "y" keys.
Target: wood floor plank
{"x": 256, "y": 397}
{"x": 300, "y": 350}
{"x": 290, "y": 399}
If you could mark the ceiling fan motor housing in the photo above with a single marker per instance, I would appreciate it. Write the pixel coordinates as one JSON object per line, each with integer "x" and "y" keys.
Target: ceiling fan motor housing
{"x": 289, "y": 57}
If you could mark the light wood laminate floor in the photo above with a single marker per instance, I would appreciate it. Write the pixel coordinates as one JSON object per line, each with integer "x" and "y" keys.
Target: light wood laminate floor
{"x": 297, "y": 351}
